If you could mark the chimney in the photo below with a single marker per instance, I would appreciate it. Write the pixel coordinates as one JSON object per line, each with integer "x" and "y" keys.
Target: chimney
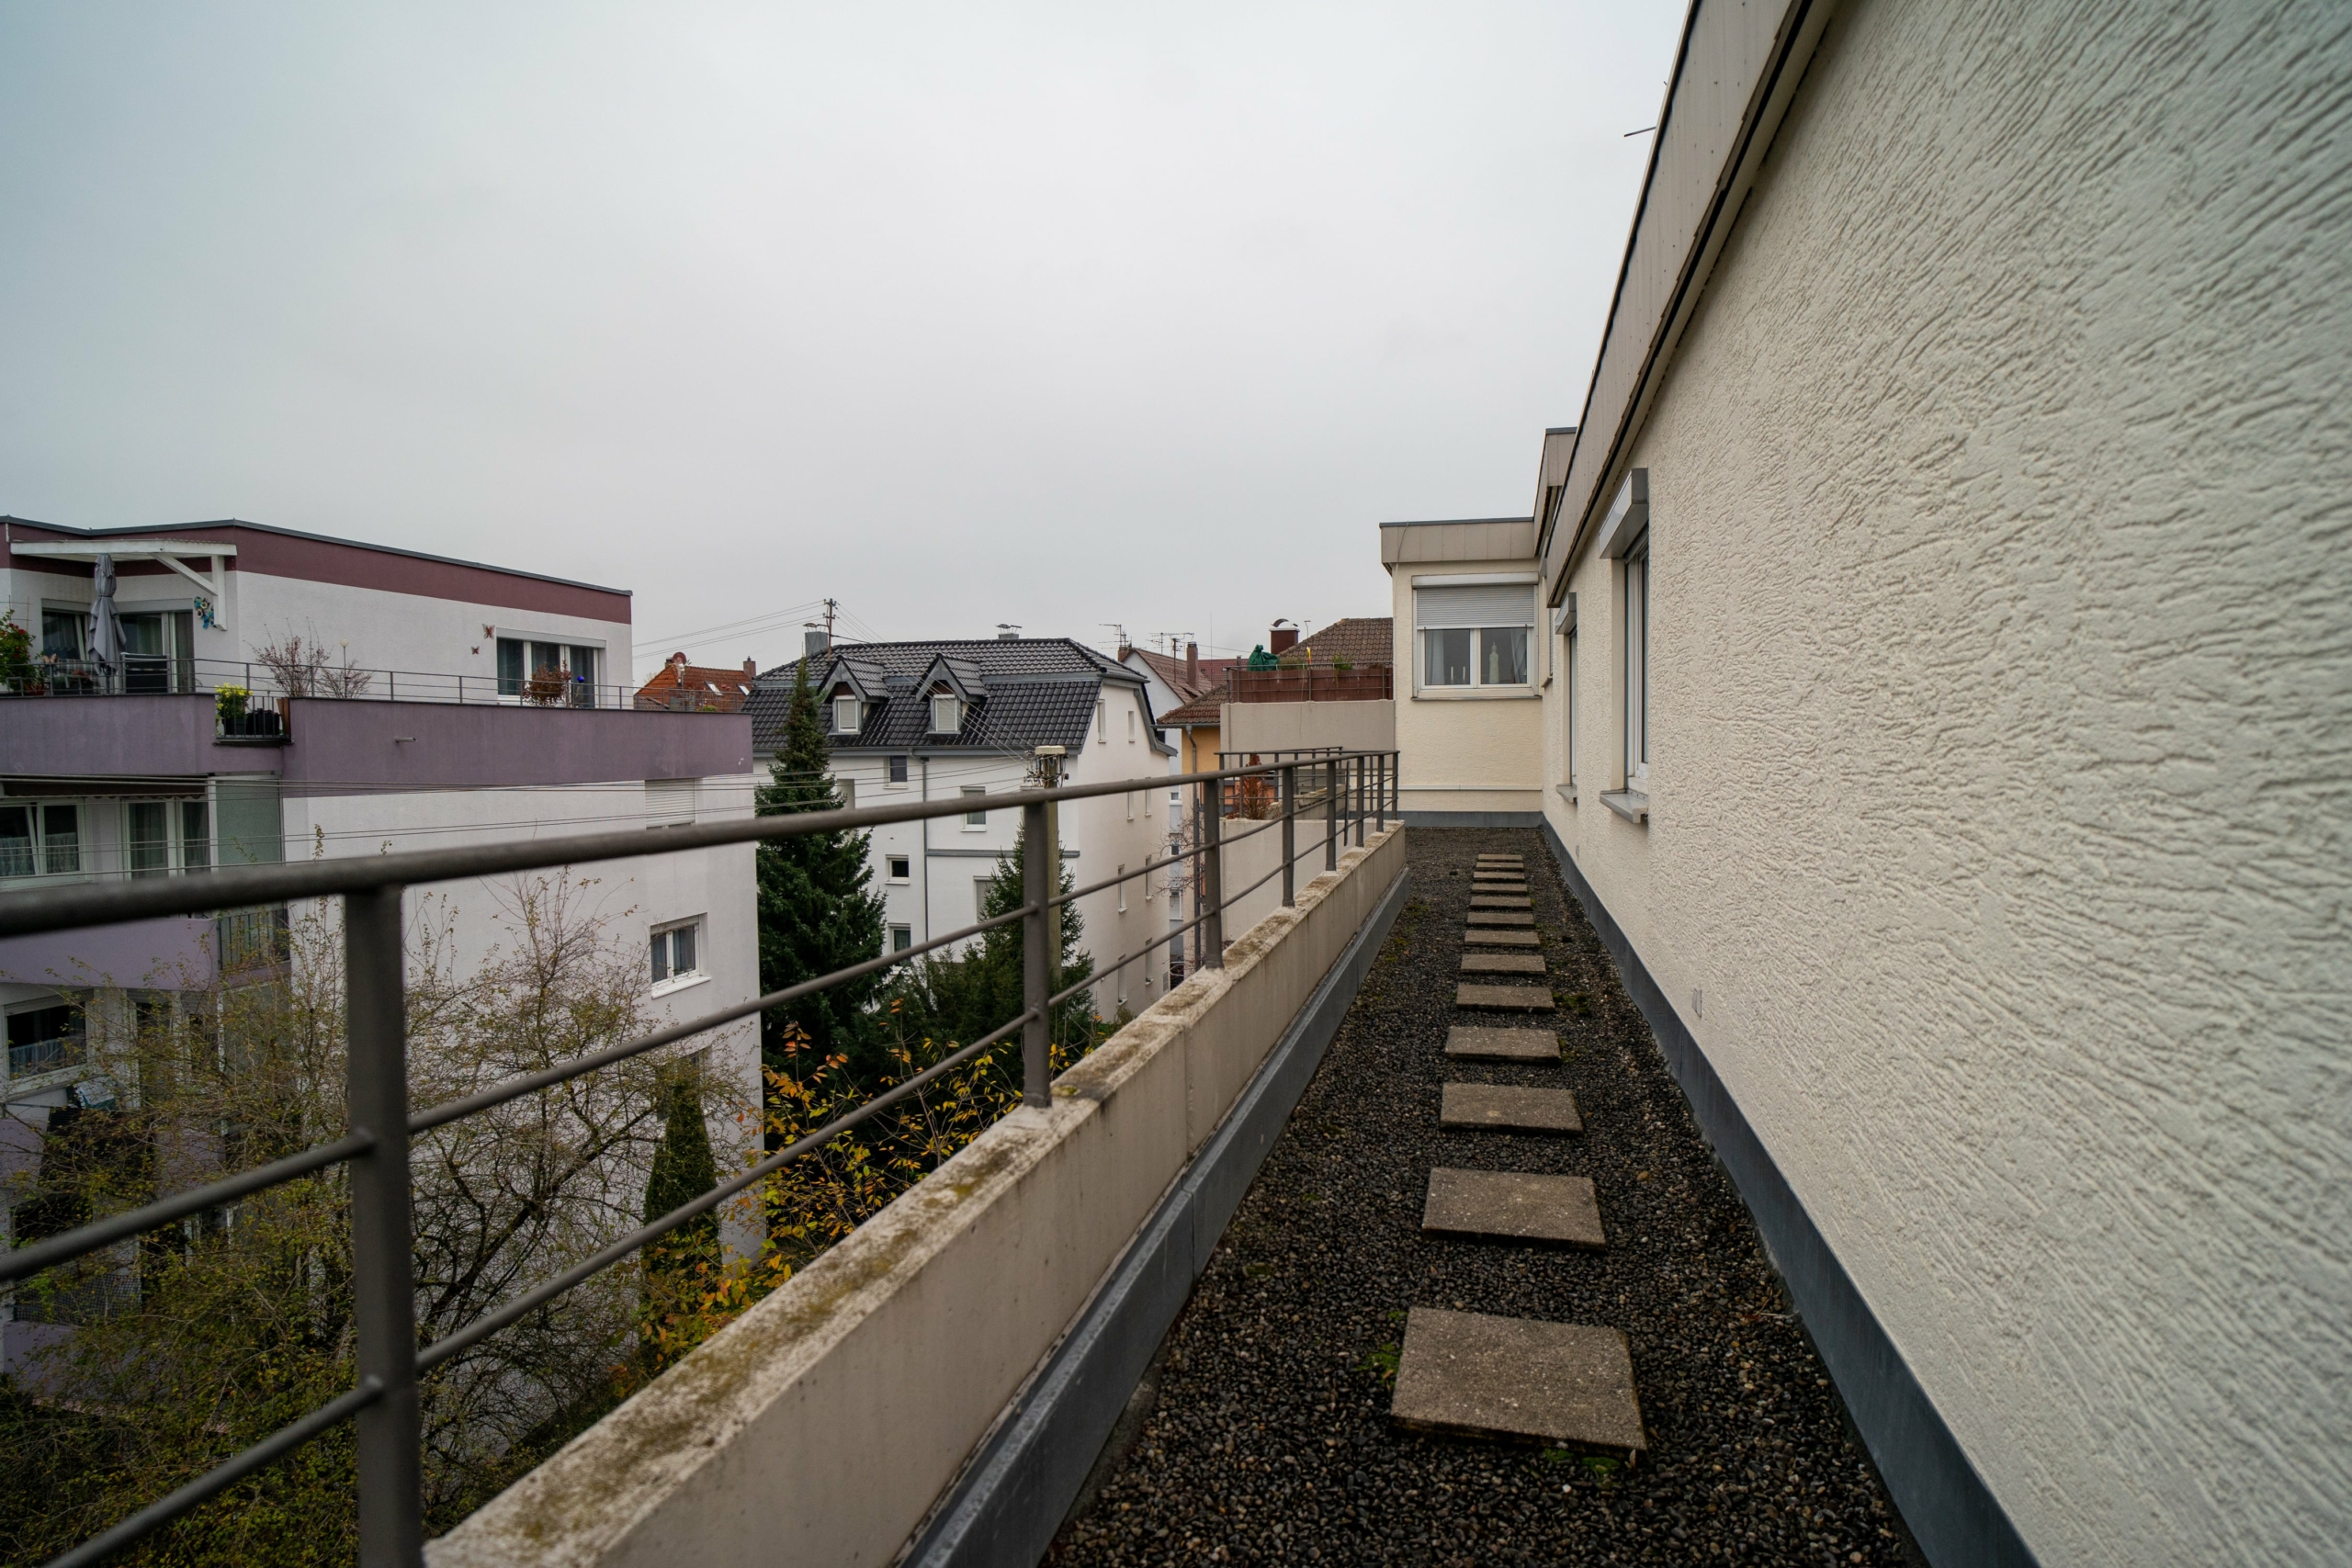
{"x": 813, "y": 643}
{"x": 1282, "y": 639}
{"x": 1192, "y": 664}
{"x": 1008, "y": 636}
{"x": 751, "y": 668}
{"x": 678, "y": 665}
{"x": 1124, "y": 651}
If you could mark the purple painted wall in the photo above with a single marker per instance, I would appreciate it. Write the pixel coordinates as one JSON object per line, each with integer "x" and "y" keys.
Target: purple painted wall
{"x": 416, "y": 745}
{"x": 136, "y": 736}
{"x": 164, "y": 955}
{"x": 444, "y": 746}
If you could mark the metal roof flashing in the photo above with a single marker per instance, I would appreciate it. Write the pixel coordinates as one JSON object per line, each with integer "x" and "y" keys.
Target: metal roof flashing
{"x": 1735, "y": 73}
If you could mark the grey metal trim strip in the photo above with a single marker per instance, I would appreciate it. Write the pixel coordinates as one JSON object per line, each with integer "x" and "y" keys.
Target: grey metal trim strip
{"x": 1010, "y": 1499}
{"x": 1951, "y": 1513}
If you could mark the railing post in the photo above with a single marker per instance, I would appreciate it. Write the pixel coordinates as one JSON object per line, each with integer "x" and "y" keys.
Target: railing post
{"x": 392, "y": 1524}
{"x": 1037, "y": 884}
{"x": 1290, "y": 833}
{"x": 1213, "y": 874}
{"x": 1364, "y": 796}
{"x": 1331, "y": 813}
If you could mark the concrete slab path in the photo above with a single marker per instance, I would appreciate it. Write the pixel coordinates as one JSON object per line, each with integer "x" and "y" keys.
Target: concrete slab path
{"x": 1513, "y": 1205}
{"x": 1464, "y": 1044}
{"x": 1475, "y": 1375}
{"x": 1508, "y": 1108}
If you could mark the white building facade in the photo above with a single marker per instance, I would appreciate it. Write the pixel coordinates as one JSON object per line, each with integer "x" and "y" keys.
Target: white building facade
{"x": 179, "y": 761}
{"x": 923, "y": 721}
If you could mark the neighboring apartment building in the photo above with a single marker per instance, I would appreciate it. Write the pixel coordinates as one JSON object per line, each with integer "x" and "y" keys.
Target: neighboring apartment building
{"x": 474, "y": 720}
{"x": 1328, "y": 692}
{"x": 927, "y": 720}
{"x": 1932, "y": 678}
{"x": 1183, "y": 694}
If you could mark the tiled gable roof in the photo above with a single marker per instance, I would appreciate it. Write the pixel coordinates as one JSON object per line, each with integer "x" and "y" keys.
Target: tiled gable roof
{"x": 1360, "y": 640}
{"x": 1170, "y": 670}
{"x": 1039, "y": 691}
{"x": 695, "y": 687}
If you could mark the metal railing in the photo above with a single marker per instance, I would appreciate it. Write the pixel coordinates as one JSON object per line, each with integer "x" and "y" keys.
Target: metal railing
{"x": 1357, "y": 792}
{"x": 250, "y": 687}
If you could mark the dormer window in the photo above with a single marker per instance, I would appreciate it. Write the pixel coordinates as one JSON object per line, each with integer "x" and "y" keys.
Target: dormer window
{"x": 849, "y": 716}
{"x": 946, "y": 713}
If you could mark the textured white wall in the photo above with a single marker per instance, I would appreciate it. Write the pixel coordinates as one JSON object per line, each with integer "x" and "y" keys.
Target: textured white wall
{"x": 2003, "y": 754}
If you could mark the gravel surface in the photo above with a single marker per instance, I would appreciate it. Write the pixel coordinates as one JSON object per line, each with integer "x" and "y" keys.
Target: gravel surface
{"x": 1262, "y": 1433}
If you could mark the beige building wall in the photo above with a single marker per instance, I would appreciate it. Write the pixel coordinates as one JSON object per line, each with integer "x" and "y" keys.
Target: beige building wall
{"x": 2001, "y": 782}
{"x": 1463, "y": 751}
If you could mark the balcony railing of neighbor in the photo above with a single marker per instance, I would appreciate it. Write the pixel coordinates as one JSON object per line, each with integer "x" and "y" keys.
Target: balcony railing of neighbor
{"x": 1310, "y": 683}
{"x": 1355, "y": 791}
{"x": 250, "y": 695}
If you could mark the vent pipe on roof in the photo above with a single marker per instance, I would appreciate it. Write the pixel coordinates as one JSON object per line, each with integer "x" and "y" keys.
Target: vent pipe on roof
{"x": 1008, "y": 636}
{"x": 1192, "y": 664}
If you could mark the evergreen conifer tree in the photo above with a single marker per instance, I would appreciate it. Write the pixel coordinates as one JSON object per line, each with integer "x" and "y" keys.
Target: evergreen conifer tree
{"x": 960, "y": 999}
{"x": 817, "y": 911}
{"x": 683, "y": 1169}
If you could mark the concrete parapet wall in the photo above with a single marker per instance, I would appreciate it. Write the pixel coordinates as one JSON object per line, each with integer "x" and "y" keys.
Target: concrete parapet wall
{"x": 819, "y": 1428}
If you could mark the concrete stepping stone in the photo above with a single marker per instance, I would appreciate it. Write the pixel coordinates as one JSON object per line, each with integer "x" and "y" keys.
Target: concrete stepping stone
{"x": 1504, "y": 1108}
{"x": 1502, "y": 860}
{"x": 1501, "y": 901}
{"x": 1469, "y": 1044}
{"x": 1502, "y": 963}
{"x": 1472, "y": 1375}
{"x": 1503, "y": 939}
{"x": 1514, "y": 1205}
{"x": 1504, "y": 999}
{"x": 1499, "y": 918}
{"x": 1498, "y": 884}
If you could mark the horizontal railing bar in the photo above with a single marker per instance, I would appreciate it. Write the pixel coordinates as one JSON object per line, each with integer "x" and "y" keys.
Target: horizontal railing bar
{"x": 26, "y": 1260}
{"x": 1143, "y": 870}
{"x": 516, "y": 1310}
{"x": 515, "y": 1088}
{"x": 58, "y": 909}
{"x": 219, "y": 1479}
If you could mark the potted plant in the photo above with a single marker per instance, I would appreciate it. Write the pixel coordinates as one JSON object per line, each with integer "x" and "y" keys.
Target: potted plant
{"x": 17, "y": 671}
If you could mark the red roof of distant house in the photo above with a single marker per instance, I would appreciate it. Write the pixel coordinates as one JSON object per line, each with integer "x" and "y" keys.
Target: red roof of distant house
{"x": 1171, "y": 671}
{"x": 1359, "y": 640}
{"x": 696, "y": 688}
{"x": 1209, "y": 709}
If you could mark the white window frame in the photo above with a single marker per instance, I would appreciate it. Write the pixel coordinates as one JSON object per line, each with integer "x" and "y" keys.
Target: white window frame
{"x": 980, "y": 898}
{"x": 976, "y": 821}
{"x": 897, "y": 771}
{"x": 855, "y": 710}
{"x": 900, "y": 938}
{"x": 1633, "y": 692}
{"x": 1425, "y": 687}
{"x": 676, "y": 979}
{"x": 891, "y": 864}
{"x": 71, "y": 1063}
{"x": 946, "y": 713}
{"x": 37, "y": 812}
{"x": 1571, "y": 694}
{"x": 1101, "y": 718}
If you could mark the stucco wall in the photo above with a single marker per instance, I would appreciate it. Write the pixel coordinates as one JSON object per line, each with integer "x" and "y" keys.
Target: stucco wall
{"x": 1464, "y": 749}
{"x": 2002, "y": 752}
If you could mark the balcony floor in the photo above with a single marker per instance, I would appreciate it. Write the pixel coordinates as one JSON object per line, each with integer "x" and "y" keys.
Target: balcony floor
{"x": 1263, "y": 1432}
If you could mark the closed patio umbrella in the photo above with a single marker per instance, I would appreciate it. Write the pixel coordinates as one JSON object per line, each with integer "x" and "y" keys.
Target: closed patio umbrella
{"x": 106, "y": 627}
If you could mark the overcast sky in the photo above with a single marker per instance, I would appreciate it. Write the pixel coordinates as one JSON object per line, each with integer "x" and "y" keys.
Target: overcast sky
{"x": 1051, "y": 315}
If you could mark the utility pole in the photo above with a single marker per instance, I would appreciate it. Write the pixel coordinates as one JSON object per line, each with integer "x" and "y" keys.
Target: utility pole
{"x": 832, "y": 606}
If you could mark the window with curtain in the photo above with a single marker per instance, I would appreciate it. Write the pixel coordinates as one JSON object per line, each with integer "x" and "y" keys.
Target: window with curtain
{"x": 1474, "y": 633}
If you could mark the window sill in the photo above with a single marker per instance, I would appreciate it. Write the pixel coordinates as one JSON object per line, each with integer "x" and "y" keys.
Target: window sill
{"x": 677, "y": 983}
{"x": 974, "y": 828}
{"x": 1567, "y": 793}
{"x": 1475, "y": 693}
{"x": 1631, "y": 804}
